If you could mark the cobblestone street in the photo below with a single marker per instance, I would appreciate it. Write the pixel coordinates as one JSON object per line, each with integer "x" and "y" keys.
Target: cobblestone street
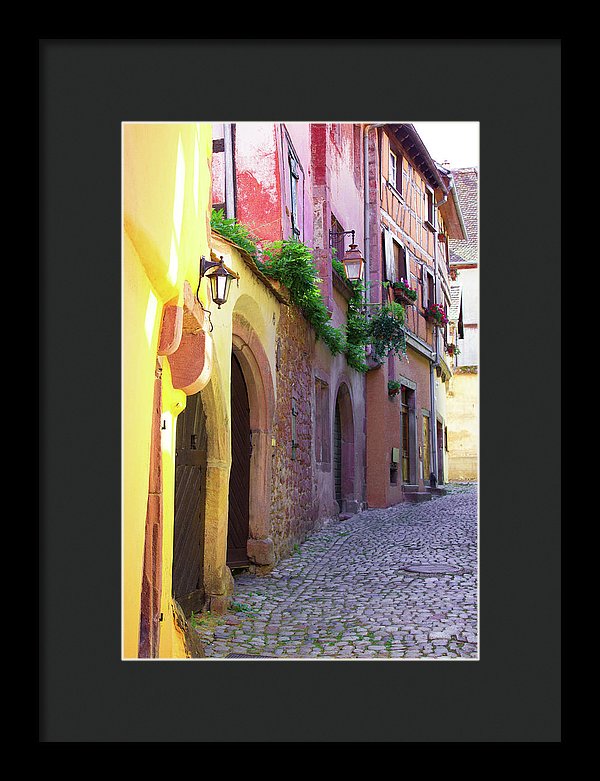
{"x": 399, "y": 583}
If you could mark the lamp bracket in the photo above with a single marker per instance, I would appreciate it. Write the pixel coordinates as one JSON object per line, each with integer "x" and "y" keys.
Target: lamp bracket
{"x": 336, "y": 234}
{"x": 207, "y": 265}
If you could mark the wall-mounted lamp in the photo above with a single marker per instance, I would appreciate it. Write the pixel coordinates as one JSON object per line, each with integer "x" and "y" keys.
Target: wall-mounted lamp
{"x": 353, "y": 261}
{"x": 220, "y": 279}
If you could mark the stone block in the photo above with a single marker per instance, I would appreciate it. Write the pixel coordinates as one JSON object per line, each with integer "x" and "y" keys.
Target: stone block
{"x": 261, "y": 552}
{"x": 219, "y": 604}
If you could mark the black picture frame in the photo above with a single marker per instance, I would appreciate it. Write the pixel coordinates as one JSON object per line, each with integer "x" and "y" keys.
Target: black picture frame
{"x": 87, "y": 88}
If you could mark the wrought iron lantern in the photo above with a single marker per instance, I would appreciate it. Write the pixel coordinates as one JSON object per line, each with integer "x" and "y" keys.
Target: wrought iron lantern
{"x": 220, "y": 279}
{"x": 353, "y": 263}
{"x": 352, "y": 260}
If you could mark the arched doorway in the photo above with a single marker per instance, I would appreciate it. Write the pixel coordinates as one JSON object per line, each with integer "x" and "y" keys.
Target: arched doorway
{"x": 337, "y": 455}
{"x": 190, "y": 493}
{"x": 238, "y": 528}
{"x": 343, "y": 450}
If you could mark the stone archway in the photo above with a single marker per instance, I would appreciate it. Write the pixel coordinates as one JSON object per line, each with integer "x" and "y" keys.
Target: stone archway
{"x": 345, "y": 416}
{"x": 254, "y": 364}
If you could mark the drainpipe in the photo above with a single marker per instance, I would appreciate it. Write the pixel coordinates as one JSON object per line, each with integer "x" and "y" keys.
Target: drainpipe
{"x": 229, "y": 177}
{"x": 366, "y": 130}
{"x": 432, "y": 367}
{"x": 366, "y": 217}
{"x": 436, "y": 357}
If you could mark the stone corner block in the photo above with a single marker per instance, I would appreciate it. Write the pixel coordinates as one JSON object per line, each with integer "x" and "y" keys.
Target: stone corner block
{"x": 351, "y": 506}
{"x": 261, "y": 552}
{"x": 219, "y": 604}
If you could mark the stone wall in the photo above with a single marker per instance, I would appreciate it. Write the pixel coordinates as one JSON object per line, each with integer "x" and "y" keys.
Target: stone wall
{"x": 293, "y": 507}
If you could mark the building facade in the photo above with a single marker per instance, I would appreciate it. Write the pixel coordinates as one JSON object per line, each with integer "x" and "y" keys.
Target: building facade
{"x": 463, "y": 396}
{"x": 411, "y": 213}
{"x": 292, "y": 181}
{"x": 166, "y": 359}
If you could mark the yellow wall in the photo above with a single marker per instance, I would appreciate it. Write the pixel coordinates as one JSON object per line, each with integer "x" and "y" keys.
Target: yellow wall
{"x": 253, "y": 301}
{"x": 166, "y": 214}
{"x": 462, "y": 405}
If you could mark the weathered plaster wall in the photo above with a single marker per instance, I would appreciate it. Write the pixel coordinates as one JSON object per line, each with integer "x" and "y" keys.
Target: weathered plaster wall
{"x": 166, "y": 212}
{"x": 463, "y": 426}
{"x": 441, "y": 392}
{"x": 469, "y": 346}
{"x": 258, "y": 179}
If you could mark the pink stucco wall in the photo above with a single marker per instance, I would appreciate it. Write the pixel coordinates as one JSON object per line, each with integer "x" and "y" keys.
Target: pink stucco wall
{"x": 330, "y": 181}
{"x": 258, "y": 204}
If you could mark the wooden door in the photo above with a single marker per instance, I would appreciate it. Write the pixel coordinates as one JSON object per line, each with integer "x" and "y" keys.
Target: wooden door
{"x": 426, "y": 451}
{"x": 440, "y": 453}
{"x": 337, "y": 455}
{"x": 190, "y": 490}
{"x": 405, "y": 439}
{"x": 239, "y": 478}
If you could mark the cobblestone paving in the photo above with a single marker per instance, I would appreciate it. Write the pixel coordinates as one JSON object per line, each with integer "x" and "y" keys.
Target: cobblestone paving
{"x": 399, "y": 583}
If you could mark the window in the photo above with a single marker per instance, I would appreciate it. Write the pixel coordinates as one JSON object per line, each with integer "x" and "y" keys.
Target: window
{"x": 336, "y": 134}
{"x": 430, "y": 288}
{"x": 400, "y": 261}
{"x": 322, "y": 433}
{"x": 429, "y": 216}
{"x": 357, "y": 149}
{"x": 427, "y": 287}
{"x": 393, "y": 169}
{"x": 395, "y": 172}
{"x": 294, "y": 178}
{"x": 395, "y": 265}
{"x": 336, "y": 238}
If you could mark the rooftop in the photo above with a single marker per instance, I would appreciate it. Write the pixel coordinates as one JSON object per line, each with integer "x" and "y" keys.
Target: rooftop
{"x": 466, "y": 181}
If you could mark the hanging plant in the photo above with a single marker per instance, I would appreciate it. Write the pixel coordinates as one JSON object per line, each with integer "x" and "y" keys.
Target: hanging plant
{"x": 403, "y": 292}
{"x": 394, "y": 387}
{"x": 436, "y": 315}
{"x": 386, "y": 330}
{"x": 452, "y": 349}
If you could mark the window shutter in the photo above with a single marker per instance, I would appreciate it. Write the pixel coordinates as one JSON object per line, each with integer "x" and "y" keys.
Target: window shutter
{"x": 406, "y": 260}
{"x": 390, "y": 271}
{"x": 424, "y": 287}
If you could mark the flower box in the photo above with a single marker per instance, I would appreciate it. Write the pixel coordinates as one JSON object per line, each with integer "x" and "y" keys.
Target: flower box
{"x": 394, "y": 387}
{"x": 402, "y": 297}
{"x": 403, "y": 293}
{"x": 436, "y": 315}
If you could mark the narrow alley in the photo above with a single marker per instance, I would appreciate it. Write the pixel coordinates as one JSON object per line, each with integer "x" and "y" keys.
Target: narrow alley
{"x": 397, "y": 583}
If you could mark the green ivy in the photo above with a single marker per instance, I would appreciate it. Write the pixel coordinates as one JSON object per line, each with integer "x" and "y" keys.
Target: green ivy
{"x": 231, "y": 229}
{"x": 357, "y": 330}
{"x": 291, "y": 263}
{"x": 338, "y": 265}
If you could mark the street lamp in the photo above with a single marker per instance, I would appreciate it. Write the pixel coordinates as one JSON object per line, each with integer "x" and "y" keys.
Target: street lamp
{"x": 220, "y": 279}
{"x": 353, "y": 263}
